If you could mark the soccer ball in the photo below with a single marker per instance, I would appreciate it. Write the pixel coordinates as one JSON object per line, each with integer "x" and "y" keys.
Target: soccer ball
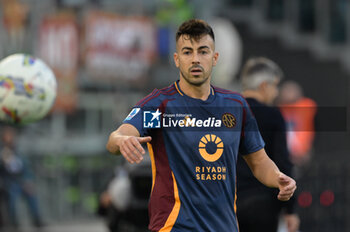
{"x": 27, "y": 89}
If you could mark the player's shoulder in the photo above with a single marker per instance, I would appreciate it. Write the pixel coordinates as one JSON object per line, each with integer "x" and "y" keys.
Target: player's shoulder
{"x": 229, "y": 95}
{"x": 157, "y": 96}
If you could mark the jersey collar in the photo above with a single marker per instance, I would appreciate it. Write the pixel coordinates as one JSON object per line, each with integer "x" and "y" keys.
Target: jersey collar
{"x": 210, "y": 97}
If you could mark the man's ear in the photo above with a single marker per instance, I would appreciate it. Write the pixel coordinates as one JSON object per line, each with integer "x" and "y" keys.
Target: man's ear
{"x": 215, "y": 58}
{"x": 263, "y": 86}
{"x": 176, "y": 59}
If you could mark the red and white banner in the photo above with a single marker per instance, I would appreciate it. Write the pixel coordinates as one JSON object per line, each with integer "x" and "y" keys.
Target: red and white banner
{"x": 119, "y": 47}
{"x": 59, "y": 48}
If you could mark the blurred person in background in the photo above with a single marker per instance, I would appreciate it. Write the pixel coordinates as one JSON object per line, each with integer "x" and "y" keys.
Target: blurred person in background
{"x": 123, "y": 203}
{"x": 115, "y": 199}
{"x": 17, "y": 178}
{"x": 194, "y": 171}
{"x": 258, "y": 209}
{"x": 299, "y": 113}
{"x": 15, "y": 19}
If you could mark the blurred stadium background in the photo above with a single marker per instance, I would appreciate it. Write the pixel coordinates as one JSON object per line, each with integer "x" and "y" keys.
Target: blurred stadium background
{"x": 107, "y": 54}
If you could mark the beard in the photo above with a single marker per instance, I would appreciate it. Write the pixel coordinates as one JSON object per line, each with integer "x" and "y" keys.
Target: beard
{"x": 196, "y": 80}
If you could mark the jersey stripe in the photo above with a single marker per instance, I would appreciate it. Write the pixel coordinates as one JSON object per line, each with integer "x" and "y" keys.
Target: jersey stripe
{"x": 236, "y": 100}
{"x": 155, "y": 93}
{"x": 172, "y": 93}
{"x": 175, "y": 211}
{"x": 177, "y": 88}
{"x": 235, "y": 201}
{"x": 164, "y": 201}
{"x": 154, "y": 170}
{"x": 235, "y": 204}
{"x": 167, "y": 89}
{"x": 225, "y": 91}
{"x": 147, "y": 97}
{"x": 154, "y": 96}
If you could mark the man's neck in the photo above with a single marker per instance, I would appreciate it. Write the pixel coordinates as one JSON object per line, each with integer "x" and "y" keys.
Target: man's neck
{"x": 201, "y": 92}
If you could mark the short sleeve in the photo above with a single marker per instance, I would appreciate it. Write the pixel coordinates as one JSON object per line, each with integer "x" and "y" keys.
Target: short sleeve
{"x": 251, "y": 140}
{"x": 135, "y": 118}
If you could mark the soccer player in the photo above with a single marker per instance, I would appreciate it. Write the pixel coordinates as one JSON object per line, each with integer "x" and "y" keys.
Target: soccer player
{"x": 260, "y": 78}
{"x": 194, "y": 132}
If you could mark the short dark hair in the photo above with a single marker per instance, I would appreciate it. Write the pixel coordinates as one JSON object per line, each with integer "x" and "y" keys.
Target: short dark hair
{"x": 195, "y": 29}
{"x": 259, "y": 69}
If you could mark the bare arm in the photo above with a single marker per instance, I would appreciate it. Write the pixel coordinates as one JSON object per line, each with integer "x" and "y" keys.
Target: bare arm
{"x": 266, "y": 171}
{"x": 293, "y": 222}
{"x": 126, "y": 140}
